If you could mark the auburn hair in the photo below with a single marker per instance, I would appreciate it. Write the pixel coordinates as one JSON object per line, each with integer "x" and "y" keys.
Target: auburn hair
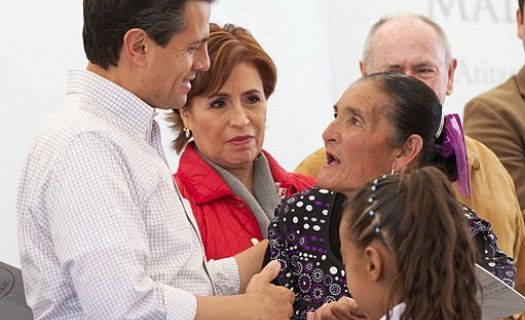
{"x": 228, "y": 46}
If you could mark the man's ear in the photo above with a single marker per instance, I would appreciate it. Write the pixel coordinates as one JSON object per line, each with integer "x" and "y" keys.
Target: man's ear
{"x": 409, "y": 153}
{"x": 450, "y": 72}
{"x": 362, "y": 68}
{"x": 374, "y": 263}
{"x": 135, "y": 46}
{"x": 519, "y": 24}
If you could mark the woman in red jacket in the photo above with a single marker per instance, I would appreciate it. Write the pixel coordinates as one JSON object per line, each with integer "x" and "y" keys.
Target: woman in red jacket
{"x": 233, "y": 185}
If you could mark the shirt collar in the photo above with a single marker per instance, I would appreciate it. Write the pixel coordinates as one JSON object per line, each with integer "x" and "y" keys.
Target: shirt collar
{"x": 107, "y": 97}
{"x": 396, "y": 312}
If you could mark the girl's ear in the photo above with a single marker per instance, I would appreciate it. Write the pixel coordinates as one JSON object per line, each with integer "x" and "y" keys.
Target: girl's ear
{"x": 374, "y": 263}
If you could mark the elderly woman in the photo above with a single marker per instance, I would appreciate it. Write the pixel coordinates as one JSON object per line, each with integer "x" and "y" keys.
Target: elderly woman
{"x": 233, "y": 185}
{"x": 384, "y": 123}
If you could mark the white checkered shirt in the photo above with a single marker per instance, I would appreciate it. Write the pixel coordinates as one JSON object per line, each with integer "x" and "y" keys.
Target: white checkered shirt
{"x": 102, "y": 230}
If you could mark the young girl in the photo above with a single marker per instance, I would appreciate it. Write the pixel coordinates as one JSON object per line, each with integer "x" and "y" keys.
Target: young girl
{"x": 406, "y": 250}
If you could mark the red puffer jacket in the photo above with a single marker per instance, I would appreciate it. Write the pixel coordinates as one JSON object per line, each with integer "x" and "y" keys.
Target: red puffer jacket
{"x": 226, "y": 223}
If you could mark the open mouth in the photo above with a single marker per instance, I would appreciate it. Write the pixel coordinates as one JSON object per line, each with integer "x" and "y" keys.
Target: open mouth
{"x": 331, "y": 160}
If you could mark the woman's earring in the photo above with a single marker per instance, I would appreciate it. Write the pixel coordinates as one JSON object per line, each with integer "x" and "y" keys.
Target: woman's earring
{"x": 187, "y": 132}
{"x": 393, "y": 171}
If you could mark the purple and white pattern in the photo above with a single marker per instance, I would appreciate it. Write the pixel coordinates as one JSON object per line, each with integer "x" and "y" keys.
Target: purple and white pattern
{"x": 299, "y": 239}
{"x": 491, "y": 258}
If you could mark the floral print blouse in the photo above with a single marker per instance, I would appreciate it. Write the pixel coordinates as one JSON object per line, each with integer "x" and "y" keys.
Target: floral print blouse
{"x": 304, "y": 238}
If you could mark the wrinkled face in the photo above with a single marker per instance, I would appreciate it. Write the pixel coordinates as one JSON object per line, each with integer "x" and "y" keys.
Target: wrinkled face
{"x": 357, "y": 278}
{"x": 173, "y": 67}
{"x": 357, "y": 140}
{"x": 228, "y": 127}
{"x": 413, "y": 48}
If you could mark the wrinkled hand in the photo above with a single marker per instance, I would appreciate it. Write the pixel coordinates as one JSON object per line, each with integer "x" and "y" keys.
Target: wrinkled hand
{"x": 269, "y": 301}
{"x": 342, "y": 309}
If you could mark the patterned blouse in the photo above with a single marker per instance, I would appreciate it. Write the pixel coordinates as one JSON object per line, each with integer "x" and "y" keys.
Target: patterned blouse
{"x": 304, "y": 238}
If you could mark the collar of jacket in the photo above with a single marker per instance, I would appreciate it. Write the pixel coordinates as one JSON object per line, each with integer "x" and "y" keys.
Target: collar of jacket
{"x": 206, "y": 185}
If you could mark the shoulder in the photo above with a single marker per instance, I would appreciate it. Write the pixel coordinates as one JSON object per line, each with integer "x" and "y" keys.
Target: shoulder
{"x": 312, "y": 163}
{"x": 313, "y": 202}
{"x": 190, "y": 160}
{"x": 486, "y": 171}
{"x": 192, "y": 166}
{"x": 71, "y": 126}
{"x": 310, "y": 199}
{"x": 74, "y": 153}
{"x": 70, "y": 136}
{"x": 73, "y": 147}
{"x": 502, "y": 97}
{"x": 476, "y": 149}
{"x": 298, "y": 182}
{"x": 492, "y": 172}
{"x": 198, "y": 180}
{"x": 292, "y": 181}
{"x": 482, "y": 157}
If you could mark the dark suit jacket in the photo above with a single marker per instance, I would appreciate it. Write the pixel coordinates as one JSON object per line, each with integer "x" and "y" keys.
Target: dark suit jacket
{"x": 497, "y": 118}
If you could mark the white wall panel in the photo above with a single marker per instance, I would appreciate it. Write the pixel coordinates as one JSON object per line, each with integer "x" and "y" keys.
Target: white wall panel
{"x": 316, "y": 45}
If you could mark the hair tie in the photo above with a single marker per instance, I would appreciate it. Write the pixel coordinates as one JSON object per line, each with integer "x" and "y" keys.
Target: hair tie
{"x": 454, "y": 144}
{"x": 373, "y": 208}
{"x": 442, "y": 120}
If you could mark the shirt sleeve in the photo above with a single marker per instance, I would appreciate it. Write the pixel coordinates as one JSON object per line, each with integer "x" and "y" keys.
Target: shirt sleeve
{"x": 225, "y": 275}
{"x": 491, "y": 257}
{"x": 100, "y": 239}
{"x": 279, "y": 235}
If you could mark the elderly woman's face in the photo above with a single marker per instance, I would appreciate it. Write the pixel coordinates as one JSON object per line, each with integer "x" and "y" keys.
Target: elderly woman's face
{"x": 228, "y": 127}
{"x": 357, "y": 141}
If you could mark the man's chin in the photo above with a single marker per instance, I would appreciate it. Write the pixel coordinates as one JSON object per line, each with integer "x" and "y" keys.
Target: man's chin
{"x": 178, "y": 104}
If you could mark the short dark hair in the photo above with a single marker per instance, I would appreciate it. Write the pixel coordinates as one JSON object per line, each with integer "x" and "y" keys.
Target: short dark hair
{"x": 107, "y": 21}
{"x": 413, "y": 108}
{"x": 520, "y": 3}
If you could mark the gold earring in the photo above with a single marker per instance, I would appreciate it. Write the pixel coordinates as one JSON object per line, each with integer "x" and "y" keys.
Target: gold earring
{"x": 187, "y": 132}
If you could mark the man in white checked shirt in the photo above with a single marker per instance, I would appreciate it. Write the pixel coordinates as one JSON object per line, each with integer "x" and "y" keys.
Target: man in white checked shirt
{"x": 103, "y": 232}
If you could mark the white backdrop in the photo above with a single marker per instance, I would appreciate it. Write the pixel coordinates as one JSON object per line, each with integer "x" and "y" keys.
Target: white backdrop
{"x": 316, "y": 45}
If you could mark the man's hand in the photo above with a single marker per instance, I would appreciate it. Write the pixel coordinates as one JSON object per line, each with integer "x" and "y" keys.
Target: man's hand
{"x": 261, "y": 301}
{"x": 269, "y": 301}
{"x": 343, "y": 309}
